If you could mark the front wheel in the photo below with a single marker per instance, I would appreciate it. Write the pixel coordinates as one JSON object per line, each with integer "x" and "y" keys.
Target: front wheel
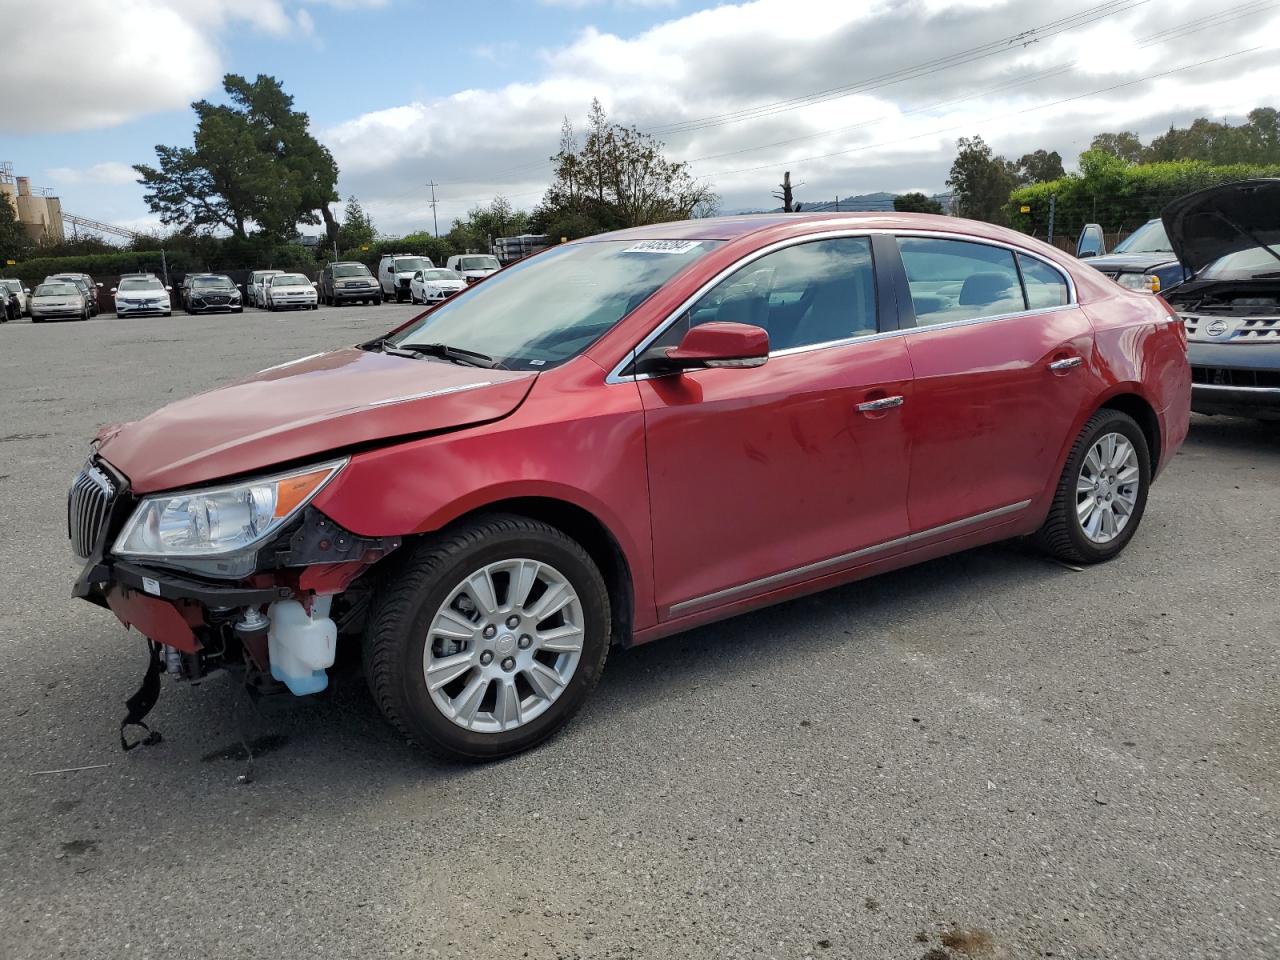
{"x": 1102, "y": 493}
{"x": 489, "y": 639}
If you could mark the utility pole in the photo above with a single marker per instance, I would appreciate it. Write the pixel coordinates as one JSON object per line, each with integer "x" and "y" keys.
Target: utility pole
{"x": 1053, "y": 202}
{"x": 784, "y": 193}
{"x": 435, "y": 226}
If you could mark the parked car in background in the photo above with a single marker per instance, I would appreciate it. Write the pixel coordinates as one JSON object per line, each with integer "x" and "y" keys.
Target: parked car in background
{"x": 289, "y": 290}
{"x": 59, "y": 300}
{"x": 348, "y": 283}
{"x": 256, "y": 285}
{"x": 213, "y": 293}
{"x": 395, "y": 273}
{"x": 474, "y": 266}
{"x": 434, "y": 284}
{"x": 724, "y": 414}
{"x": 19, "y": 294}
{"x": 1144, "y": 260}
{"x": 1228, "y": 238}
{"x": 142, "y": 295}
{"x": 86, "y": 284}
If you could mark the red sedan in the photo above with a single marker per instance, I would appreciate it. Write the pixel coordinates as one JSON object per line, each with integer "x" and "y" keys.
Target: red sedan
{"x": 624, "y": 437}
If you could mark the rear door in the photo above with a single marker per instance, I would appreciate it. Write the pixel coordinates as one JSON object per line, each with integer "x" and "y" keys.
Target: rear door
{"x": 1002, "y": 361}
{"x": 768, "y": 476}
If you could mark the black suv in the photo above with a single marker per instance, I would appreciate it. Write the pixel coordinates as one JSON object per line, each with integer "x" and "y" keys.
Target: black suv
{"x": 348, "y": 282}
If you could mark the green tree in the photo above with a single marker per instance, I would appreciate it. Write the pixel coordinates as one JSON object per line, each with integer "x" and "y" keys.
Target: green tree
{"x": 253, "y": 161}
{"x": 357, "y": 229}
{"x": 1126, "y": 145}
{"x": 981, "y": 181}
{"x": 916, "y": 203}
{"x": 1040, "y": 167}
{"x": 618, "y": 177}
{"x": 498, "y": 219}
{"x": 1206, "y": 140}
{"x": 15, "y": 242}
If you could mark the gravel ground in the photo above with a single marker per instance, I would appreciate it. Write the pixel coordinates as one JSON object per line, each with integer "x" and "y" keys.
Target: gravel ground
{"x": 988, "y": 756}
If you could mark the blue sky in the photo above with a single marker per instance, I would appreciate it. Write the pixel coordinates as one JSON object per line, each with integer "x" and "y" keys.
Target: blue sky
{"x": 472, "y": 95}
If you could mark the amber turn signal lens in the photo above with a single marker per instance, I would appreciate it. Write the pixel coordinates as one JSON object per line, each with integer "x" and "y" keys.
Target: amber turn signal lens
{"x": 293, "y": 490}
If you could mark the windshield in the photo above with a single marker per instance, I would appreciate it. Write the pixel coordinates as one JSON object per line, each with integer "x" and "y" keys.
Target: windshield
{"x": 350, "y": 270}
{"x": 126, "y": 285}
{"x": 1242, "y": 265}
{"x": 56, "y": 290}
{"x": 439, "y": 273}
{"x": 479, "y": 263}
{"x": 1148, "y": 238}
{"x": 290, "y": 280}
{"x": 14, "y": 285}
{"x": 214, "y": 283}
{"x": 549, "y": 308}
{"x": 262, "y": 275}
{"x": 410, "y": 264}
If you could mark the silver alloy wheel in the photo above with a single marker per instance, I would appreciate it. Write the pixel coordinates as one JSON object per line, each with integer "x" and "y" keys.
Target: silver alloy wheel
{"x": 1107, "y": 487}
{"x": 504, "y": 645}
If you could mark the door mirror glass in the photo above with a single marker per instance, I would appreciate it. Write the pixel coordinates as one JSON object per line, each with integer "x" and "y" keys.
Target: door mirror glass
{"x": 113, "y": 289}
{"x": 715, "y": 344}
{"x": 1092, "y": 243}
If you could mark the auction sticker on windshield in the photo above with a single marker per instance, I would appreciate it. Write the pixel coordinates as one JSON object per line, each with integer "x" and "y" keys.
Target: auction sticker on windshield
{"x": 663, "y": 246}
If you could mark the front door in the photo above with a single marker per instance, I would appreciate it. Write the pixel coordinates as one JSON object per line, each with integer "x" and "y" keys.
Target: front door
{"x": 757, "y": 474}
{"x": 1002, "y": 363}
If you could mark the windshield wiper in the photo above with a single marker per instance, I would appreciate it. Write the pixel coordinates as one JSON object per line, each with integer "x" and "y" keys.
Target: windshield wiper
{"x": 442, "y": 350}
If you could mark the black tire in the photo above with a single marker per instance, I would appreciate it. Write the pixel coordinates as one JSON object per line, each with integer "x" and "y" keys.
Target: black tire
{"x": 1062, "y": 535}
{"x": 397, "y": 632}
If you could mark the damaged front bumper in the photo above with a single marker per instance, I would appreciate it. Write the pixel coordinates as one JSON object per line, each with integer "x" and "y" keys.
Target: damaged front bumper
{"x": 279, "y": 620}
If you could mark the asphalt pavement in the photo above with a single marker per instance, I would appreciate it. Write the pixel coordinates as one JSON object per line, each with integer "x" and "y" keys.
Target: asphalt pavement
{"x": 987, "y": 756}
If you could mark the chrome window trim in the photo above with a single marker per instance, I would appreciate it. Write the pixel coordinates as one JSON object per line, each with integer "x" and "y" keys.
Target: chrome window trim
{"x": 818, "y": 566}
{"x": 616, "y": 376}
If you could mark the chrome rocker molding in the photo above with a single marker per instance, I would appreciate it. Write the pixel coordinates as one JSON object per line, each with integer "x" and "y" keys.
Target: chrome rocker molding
{"x": 820, "y": 566}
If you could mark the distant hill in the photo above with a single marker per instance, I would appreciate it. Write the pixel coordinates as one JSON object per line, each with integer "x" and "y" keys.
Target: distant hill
{"x": 875, "y": 202}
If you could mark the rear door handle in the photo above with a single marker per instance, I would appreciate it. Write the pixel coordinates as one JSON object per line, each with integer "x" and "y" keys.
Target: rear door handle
{"x": 884, "y": 403}
{"x": 1066, "y": 363}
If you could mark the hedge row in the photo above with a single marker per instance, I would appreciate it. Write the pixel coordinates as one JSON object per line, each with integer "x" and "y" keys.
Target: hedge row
{"x": 1117, "y": 195}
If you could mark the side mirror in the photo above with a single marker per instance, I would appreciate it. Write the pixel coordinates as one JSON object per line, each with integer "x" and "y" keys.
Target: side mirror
{"x": 26, "y": 289}
{"x": 1092, "y": 242}
{"x": 113, "y": 290}
{"x": 711, "y": 345}
{"x": 167, "y": 287}
{"x": 97, "y": 284}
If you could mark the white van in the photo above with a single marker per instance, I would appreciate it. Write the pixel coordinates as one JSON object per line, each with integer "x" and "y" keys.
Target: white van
{"x": 396, "y": 270}
{"x": 473, "y": 266}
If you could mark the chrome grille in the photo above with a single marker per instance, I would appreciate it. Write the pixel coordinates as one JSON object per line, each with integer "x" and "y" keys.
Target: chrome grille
{"x": 1223, "y": 328}
{"x": 88, "y": 509}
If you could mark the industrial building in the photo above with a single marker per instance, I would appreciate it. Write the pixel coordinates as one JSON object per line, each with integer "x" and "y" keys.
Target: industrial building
{"x": 39, "y": 213}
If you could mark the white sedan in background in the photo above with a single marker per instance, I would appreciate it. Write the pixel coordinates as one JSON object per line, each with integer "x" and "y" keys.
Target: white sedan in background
{"x": 286, "y": 290}
{"x": 434, "y": 285}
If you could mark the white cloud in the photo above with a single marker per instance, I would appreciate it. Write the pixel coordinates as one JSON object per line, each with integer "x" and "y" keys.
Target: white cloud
{"x": 108, "y": 172}
{"x": 896, "y": 133}
{"x": 89, "y": 64}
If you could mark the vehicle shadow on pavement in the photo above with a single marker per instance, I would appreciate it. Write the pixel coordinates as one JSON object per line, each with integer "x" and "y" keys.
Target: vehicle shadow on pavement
{"x": 1233, "y": 434}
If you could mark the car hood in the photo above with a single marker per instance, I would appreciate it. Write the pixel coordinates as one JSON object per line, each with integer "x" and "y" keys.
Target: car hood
{"x": 305, "y": 409}
{"x": 1209, "y": 224}
{"x": 1129, "y": 262}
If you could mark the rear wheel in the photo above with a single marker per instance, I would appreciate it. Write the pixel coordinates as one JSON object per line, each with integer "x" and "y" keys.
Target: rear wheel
{"x": 489, "y": 639}
{"x": 1102, "y": 493}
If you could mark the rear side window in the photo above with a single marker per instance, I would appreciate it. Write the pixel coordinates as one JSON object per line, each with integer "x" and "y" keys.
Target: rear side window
{"x": 958, "y": 280}
{"x": 1045, "y": 286}
{"x": 807, "y": 294}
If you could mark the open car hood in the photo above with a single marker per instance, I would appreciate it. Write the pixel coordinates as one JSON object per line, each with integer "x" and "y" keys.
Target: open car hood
{"x": 305, "y": 409}
{"x": 1214, "y": 222}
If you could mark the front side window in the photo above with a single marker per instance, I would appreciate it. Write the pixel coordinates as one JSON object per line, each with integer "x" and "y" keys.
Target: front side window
{"x": 811, "y": 293}
{"x": 959, "y": 280}
{"x": 549, "y": 308}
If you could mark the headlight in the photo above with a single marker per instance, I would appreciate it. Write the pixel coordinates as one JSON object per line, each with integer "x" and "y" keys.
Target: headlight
{"x": 223, "y": 522}
{"x": 1147, "y": 282}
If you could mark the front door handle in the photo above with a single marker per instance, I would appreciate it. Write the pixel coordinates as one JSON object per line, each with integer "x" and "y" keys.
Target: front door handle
{"x": 1066, "y": 363}
{"x": 884, "y": 403}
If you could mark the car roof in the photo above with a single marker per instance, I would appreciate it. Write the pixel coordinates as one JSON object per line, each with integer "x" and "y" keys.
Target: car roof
{"x": 731, "y": 228}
